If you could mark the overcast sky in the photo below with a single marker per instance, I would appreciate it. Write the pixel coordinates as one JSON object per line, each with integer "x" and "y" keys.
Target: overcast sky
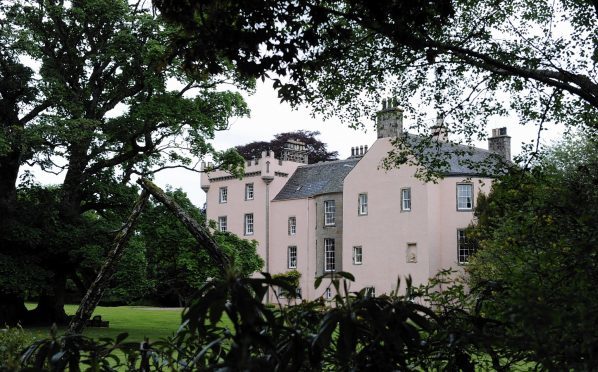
{"x": 269, "y": 117}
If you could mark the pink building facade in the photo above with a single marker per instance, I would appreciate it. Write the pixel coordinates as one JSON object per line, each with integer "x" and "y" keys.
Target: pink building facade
{"x": 353, "y": 215}
{"x": 242, "y": 206}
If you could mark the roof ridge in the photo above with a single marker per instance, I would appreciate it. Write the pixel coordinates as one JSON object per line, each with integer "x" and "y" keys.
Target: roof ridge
{"x": 328, "y": 162}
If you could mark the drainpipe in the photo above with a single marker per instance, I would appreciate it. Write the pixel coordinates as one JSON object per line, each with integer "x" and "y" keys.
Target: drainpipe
{"x": 267, "y": 180}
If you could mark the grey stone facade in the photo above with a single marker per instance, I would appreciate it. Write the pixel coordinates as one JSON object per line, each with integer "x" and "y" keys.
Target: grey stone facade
{"x": 329, "y": 232}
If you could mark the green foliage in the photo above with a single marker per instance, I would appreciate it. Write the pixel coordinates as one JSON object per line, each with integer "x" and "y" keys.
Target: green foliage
{"x": 538, "y": 246}
{"x": 176, "y": 265}
{"x": 316, "y": 150}
{"x": 292, "y": 278}
{"x": 12, "y": 343}
{"x": 467, "y": 61}
{"x": 360, "y": 332}
{"x": 103, "y": 98}
{"x": 131, "y": 281}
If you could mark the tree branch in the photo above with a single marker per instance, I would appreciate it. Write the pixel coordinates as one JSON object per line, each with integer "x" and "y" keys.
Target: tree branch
{"x": 34, "y": 112}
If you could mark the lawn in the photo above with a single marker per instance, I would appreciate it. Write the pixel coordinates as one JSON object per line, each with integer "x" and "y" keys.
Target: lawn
{"x": 137, "y": 321}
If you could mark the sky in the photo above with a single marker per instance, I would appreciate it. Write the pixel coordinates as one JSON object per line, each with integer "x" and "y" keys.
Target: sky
{"x": 269, "y": 116}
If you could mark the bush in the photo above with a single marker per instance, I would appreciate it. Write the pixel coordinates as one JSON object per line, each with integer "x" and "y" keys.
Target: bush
{"x": 359, "y": 332}
{"x": 12, "y": 343}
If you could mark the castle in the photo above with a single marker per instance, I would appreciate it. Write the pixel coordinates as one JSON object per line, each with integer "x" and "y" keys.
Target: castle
{"x": 352, "y": 215}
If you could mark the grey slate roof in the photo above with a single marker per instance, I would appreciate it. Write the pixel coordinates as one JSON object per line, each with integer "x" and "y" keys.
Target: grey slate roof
{"x": 459, "y": 160}
{"x": 314, "y": 179}
{"x": 328, "y": 177}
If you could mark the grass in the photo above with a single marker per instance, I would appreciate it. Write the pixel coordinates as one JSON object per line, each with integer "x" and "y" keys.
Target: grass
{"x": 137, "y": 321}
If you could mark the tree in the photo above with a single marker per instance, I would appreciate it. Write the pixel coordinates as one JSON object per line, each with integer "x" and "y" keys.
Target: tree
{"x": 316, "y": 150}
{"x": 537, "y": 248}
{"x": 464, "y": 60}
{"x": 96, "y": 106}
{"x": 176, "y": 264}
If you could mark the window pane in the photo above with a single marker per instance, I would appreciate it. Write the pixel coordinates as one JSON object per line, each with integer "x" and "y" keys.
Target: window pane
{"x": 249, "y": 191}
{"x": 292, "y": 225}
{"x": 223, "y": 195}
{"x": 406, "y": 199}
{"x": 249, "y": 224}
{"x": 222, "y": 222}
{"x": 362, "y": 204}
{"x": 357, "y": 255}
{"x": 465, "y": 247}
{"x": 329, "y": 257}
{"x": 465, "y": 196}
{"x": 329, "y": 212}
{"x": 292, "y": 257}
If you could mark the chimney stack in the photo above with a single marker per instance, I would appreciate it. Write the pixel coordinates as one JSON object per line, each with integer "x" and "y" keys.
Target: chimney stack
{"x": 440, "y": 131}
{"x": 389, "y": 120}
{"x": 295, "y": 151}
{"x": 500, "y": 143}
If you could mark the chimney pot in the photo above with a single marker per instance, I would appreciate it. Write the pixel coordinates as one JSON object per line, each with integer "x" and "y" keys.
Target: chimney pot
{"x": 389, "y": 121}
{"x": 500, "y": 142}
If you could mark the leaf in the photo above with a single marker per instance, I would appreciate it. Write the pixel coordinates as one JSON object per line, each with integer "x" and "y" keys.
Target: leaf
{"x": 346, "y": 275}
{"x": 317, "y": 282}
{"x": 121, "y": 337}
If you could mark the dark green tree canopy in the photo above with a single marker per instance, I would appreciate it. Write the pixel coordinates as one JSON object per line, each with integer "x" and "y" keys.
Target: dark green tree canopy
{"x": 538, "y": 244}
{"x": 316, "y": 150}
{"x": 469, "y": 61}
{"x": 91, "y": 89}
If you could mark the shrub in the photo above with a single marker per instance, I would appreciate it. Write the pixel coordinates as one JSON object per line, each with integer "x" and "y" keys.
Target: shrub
{"x": 359, "y": 332}
{"x": 12, "y": 343}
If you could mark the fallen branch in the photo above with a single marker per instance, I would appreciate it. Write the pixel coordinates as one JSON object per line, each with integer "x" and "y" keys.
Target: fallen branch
{"x": 99, "y": 285}
{"x": 199, "y": 233}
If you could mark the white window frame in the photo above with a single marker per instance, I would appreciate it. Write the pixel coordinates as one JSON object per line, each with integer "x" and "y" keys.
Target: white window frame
{"x": 406, "y": 201}
{"x": 464, "y": 199}
{"x": 362, "y": 204}
{"x": 248, "y": 224}
{"x": 222, "y": 223}
{"x": 249, "y": 191}
{"x": 292, "y": 256}
{"x": 371, "y": 291}
{"x": 329, "y": 213}
{"x": 465, "y": 247}
{"x": 357, "y": 255}
{"x": 329, "y": 255}
{"x": 223, "y": 195}
{"x": 292, "y": 225}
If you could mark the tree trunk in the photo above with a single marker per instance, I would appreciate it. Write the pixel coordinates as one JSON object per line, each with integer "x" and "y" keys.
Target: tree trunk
{"x": 9, "y": 170}
{"x": 12, "y": 310}
{"x": 99, "y": 285}
{"x": 50, "y": 307}
{"x": 12, "y": 306}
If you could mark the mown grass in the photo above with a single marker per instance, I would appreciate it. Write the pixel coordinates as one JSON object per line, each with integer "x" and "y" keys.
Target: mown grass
{"x": 138, "y": 321}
